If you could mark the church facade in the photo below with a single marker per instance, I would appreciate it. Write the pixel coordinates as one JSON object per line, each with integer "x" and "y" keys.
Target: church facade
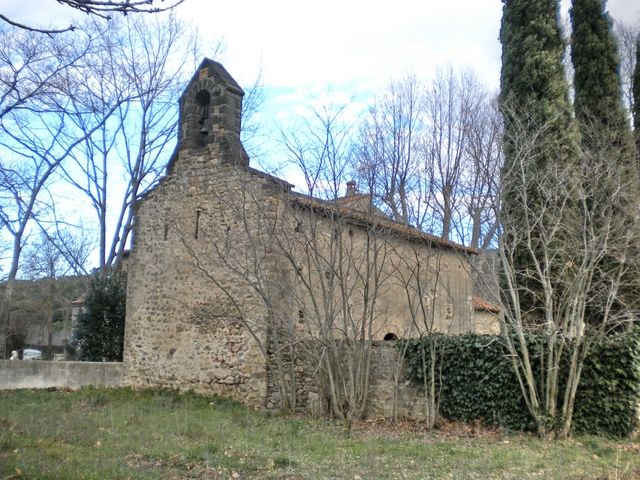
{"x": 230, "y": 267}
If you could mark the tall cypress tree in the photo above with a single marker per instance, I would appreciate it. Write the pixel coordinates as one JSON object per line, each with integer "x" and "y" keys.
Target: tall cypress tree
{"x": 605, "y": 133}
{"x": 636, "y": 96}
{"x": 532, "y": 80}
{"x": 534, "y": 97}
{"x": 598, "y": 99}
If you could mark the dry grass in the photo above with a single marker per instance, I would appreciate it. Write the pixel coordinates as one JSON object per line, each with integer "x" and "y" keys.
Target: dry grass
{"x": 120, "y": 434}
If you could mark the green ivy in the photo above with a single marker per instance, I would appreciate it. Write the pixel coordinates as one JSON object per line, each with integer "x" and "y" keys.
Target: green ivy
{"x": 609, "y": 391}
{"x": 477, "y": 382}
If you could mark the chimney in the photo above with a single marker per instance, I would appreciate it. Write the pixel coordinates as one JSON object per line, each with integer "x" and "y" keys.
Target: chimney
{"x": 351, "y": 188}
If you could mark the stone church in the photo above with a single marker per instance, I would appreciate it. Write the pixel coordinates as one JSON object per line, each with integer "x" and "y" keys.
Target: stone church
{"x": 229, "y": 265}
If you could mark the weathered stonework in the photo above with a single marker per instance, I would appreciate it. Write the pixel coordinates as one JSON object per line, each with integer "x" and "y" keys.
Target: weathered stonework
{"x": 219, "y": 263}
{"x": 180, "y": 332}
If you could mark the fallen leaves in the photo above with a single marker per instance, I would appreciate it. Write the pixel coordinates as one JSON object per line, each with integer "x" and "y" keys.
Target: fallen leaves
{"x": 386, "y": 428}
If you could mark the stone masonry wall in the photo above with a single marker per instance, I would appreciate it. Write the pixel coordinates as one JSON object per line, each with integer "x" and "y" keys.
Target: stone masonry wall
{"x": 190, "y": 323}
{"x": 389, "y": 392}
{"x": 182, "y": 328}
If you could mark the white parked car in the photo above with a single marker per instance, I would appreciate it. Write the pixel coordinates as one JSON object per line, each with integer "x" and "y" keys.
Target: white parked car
{"x": 31, "y": 354}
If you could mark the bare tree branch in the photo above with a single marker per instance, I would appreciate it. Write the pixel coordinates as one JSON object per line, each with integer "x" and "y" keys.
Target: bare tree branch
{"x": 70, "y": 28}
{"x": 102, "y": 9}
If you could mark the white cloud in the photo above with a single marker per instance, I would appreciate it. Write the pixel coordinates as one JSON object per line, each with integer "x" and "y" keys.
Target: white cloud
{"x": 335, "y": 42}
{"x": 318, "y": 44}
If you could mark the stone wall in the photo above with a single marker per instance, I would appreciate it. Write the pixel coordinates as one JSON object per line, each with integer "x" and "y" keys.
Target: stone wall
{"x": 486, "y": 322}
{"x": 390, "y": 394}
{"x": 190, "y": 323}
{"x": 16, "y": 374}
{"x": 408, "y": 284}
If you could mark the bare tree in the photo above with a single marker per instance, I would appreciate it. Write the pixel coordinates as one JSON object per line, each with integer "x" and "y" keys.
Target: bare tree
{"x": 435, "y": 306}
{"x": 35, "y": 135}
{"x": 33, "y": 70}
{"x": 452, "y": 107}
{"x": 340, "y": 260}
{"x": 73, "y": 245}
{"x": 337, "y": 259}
{"x": 627, "y": 36}
{"x": 568, "y": 232}
{"x": 46, "y": 261}
{"x": 34, "y": 75}
{"x": 3, "y": 251}
{"x": 481, "y": 179}
{"x": 139, "y": 69}
{"x": 252, "y": 105}
{"x": 429, "y": 153}
{"x": 321, "y": 149}
{"x": 102, "y": 9}
{"x": 389, "y": 143}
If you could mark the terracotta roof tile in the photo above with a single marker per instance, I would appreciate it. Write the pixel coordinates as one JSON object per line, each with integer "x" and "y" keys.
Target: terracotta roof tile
{"x": 482, "y": 305}
{"x": 374, "y": 219}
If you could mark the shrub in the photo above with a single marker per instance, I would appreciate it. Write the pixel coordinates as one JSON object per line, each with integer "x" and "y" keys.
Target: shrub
{"x": 99, "y": 333}
{"x": 476, "y": 381}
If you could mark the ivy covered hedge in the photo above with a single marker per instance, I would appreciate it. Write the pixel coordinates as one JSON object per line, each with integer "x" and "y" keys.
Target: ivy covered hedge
{"x": 476, "y": 382}
{"x": 609, "y": 392}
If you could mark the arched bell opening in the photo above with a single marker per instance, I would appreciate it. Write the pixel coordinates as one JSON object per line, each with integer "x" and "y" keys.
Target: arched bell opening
{"x": 203, "y": 101}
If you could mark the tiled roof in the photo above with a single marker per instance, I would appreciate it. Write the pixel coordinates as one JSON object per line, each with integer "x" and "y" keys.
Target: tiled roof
{"x": 482, "y": 305}
{"x": 373, "y": 219}
{"x": 349, "y": 208}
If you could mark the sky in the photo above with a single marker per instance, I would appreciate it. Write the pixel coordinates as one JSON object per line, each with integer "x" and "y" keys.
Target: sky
{"x": 314, "y": 45}
{"x": 343, "y": 49}
{"x": 308, "y": 47}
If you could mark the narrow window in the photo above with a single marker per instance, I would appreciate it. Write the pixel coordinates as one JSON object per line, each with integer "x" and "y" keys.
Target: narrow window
{"x": 300, "y": 316}
{"x": 197, "y": 223}
{"x": 166, "y": 231}
{"x": 298, "y": 227}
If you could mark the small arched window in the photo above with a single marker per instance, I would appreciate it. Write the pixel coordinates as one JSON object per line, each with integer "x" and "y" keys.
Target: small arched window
{"x": 203, "y": 101}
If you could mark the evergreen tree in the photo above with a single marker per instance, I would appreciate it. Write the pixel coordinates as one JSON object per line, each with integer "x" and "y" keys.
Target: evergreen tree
{"x": 598, "y": 95}
{"x": 99, "y": 334}
{"x": 532, "y": 81}
{"x": 636, "y": 96}
{"x": 534, "y": 99}
{"x": 604, "y": 129}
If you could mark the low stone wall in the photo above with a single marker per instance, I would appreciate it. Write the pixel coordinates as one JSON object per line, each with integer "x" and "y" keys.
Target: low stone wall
{"x": 16, "y": 374}
{"x": 388, "y": 397}
{"x": 390, "y": 393}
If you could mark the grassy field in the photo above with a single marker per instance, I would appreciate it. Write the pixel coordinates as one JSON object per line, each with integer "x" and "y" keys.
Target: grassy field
{"x": 113, "y": 434}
